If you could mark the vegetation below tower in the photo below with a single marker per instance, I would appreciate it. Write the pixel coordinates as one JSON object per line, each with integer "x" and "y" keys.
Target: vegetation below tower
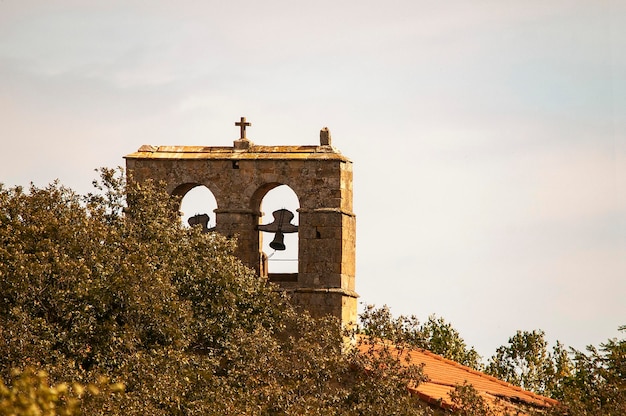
{"x": 109, "y": 290}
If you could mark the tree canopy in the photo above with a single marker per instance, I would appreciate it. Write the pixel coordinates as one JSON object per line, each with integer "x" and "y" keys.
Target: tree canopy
{"x": 586, "y": 383}
{"x": 109, "y": 305}
{"x": 435, "y": 335}
{"x": 112, "y": 285}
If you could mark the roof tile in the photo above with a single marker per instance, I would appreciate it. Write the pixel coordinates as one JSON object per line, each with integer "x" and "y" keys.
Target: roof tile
{"x": 444, "y": 375}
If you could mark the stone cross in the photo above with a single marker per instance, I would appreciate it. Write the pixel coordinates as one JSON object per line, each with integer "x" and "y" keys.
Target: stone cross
{"x": 242, "y": 127}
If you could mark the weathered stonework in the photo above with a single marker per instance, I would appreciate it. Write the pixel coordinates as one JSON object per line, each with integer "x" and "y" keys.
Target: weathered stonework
{"x": 240, "y": 176}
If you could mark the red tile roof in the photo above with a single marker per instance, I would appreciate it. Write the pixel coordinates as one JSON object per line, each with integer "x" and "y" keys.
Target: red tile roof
{"x": 444, "y": 375}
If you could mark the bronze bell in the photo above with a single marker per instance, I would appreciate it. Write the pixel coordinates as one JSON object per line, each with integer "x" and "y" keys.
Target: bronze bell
{"x": 199, "y": 219}
{"x": 278, "y": 242}
{"x": 280, "y": 226}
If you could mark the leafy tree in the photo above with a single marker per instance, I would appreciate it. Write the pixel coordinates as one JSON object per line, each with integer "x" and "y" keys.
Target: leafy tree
{"x": 403, "y": 330}
{"x": 585, "y": 383}
{"x": 31, "y": 395}
{"x": 111, "y": 284}
{"x": 384, "y": 366}
{"x": 435, "y": 335}
{"x": 466, "y": 401}
{"x": 444, "y": 340}
{"x": 597, "y": 383}
{"x": 527, "y": 362}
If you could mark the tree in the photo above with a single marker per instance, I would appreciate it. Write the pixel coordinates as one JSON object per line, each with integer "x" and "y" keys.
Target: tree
{"x": 466, "y": 401}
{"x": 597, "y": 383}
{"x": 31, "y": 395}
{"x": 435, "y": 335}
{"x": 527, "y": 362}
{"x": 444, "y": 340}
{"x": 111, "y": 284}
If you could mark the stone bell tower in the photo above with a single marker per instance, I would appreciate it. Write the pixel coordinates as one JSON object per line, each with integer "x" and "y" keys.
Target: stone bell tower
{"x": 241, "y": 175}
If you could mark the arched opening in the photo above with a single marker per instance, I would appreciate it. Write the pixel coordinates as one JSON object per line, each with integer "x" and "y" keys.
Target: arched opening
{"x": 282, "y": 264}
{"x": 197, "y": 202}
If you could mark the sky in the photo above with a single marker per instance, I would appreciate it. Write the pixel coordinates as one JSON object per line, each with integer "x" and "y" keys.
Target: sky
{"x": 488, "y": 137}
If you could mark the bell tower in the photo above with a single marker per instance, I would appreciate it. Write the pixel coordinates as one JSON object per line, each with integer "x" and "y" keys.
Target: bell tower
{"x": 240, "y": 176}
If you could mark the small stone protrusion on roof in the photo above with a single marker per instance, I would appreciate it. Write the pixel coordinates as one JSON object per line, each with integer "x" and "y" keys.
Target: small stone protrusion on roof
{"x": 147, "y": 148}
{"x": 325, "y": 139}
{"x": 242, "y": 144}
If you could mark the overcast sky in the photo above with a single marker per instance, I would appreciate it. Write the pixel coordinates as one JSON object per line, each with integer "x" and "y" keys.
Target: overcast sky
{"x": 488, "y": 137}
